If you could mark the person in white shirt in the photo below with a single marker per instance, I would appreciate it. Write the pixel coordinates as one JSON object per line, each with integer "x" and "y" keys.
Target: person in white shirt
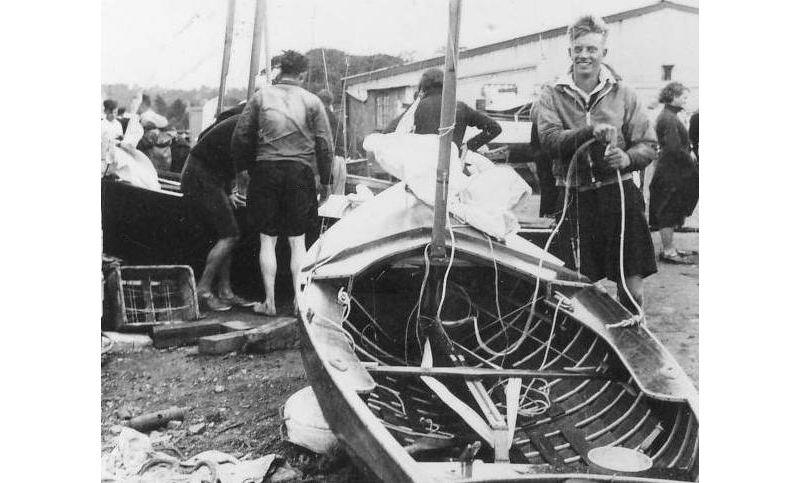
{"x": 119, "y": 157}
{"x": 110, "y": 126}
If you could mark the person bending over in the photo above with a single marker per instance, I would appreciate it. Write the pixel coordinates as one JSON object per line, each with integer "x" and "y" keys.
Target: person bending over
{"x": 207, "y": 182}
{"x": 428, "y": 114}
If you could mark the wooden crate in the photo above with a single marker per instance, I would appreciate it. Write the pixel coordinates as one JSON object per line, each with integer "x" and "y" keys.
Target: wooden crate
{"x": 149, "y": 295}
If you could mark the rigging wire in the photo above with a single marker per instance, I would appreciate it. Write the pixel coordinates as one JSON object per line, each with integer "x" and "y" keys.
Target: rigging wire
{"x": 449, "y": 266}
{"x": 527, "y": 330}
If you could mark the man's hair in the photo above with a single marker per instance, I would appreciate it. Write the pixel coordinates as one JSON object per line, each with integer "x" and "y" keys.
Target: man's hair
{"x": 120, "y": 111}
{"x": 325, "y": 96}
{"x": 291, "y": 62}
{"x": 671, "y": 91}
{"x": 109, "y": 105}
{"x": 145, "y": 100}
{"x": 587, "y": 24}
{"x": 432, "y": 78}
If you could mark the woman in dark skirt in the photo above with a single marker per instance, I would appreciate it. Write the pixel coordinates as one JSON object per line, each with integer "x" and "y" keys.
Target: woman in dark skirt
{"x": 674, "y": 189}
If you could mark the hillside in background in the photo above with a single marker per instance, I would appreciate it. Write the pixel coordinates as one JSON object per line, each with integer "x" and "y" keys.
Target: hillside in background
{"x": 339, "y": 64}
{"x": 173, "y": 103}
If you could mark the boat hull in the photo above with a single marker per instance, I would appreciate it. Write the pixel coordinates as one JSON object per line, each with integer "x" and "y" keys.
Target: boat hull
{"x": 357, "y": 312}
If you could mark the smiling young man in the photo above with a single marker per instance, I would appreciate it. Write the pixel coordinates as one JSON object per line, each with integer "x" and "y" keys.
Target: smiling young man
{"x": 591, "y": 103}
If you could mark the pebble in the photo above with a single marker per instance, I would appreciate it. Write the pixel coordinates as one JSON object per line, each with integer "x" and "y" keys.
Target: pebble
{"x": 116, "y": 429}
{"x": 174, "y": 424}
{"x": 215, "y": 415}
{"x": 197, "y": 428}
{"x": 285, "y": 474}
{"x": 124, "y": 413}
{"x": 219, "y": 388}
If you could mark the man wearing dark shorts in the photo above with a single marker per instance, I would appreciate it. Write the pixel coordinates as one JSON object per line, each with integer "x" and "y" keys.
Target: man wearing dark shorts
{"x": 591, "y": 104}
{"x": 285, "y": 130}
{"x": 207, "y": 183}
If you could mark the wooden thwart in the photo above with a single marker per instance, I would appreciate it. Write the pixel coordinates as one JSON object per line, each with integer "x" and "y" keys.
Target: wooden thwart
{"x": 477, "y": 372}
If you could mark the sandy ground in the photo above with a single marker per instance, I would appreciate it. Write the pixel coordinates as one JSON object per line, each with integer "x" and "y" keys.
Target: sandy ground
{"x": 235, "y": 399}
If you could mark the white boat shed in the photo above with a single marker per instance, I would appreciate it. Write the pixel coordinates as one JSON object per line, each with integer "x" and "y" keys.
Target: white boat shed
{"x": 648, "y": 46}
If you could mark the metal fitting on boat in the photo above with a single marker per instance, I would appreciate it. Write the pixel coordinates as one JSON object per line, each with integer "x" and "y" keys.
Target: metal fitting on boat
{"x": 467, "y": 457}
{"x": 343, "y": 297}
{"x": 564, "y": 301}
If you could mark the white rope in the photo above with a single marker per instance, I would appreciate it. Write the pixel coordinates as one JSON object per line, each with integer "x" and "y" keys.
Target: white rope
{"x": 418, "y": 306}
{"x": 449, "y": 266}
{"x": 444, "y": 131}
{"x": 638, "y": 317}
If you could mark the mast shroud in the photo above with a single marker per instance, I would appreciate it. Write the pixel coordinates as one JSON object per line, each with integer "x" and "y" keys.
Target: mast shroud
{"x": 255, "y": 53}
{"x": 226, "y": 54}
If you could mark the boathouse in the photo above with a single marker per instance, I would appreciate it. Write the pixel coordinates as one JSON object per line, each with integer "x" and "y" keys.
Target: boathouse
{"x": 648, "y": 46}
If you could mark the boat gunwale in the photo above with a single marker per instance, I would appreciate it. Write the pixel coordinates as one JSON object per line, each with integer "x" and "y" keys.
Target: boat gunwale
{"x": 386, "y": 436}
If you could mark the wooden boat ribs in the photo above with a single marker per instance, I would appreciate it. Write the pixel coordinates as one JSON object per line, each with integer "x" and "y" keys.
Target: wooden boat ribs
{"x": 576, "y": 394}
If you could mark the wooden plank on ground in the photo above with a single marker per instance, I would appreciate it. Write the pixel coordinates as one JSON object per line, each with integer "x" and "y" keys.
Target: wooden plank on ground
{"x": 221, "y": 343}
{"x": 279, "y": 333}
{"x": 272, "y": 334}
{"x": 239, "y": 325}
{"x": 184, "y": 333}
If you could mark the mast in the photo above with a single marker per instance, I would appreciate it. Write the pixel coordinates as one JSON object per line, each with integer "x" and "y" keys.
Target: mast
{"x": 447, "y": 121}
{"x": 343, "y": 117}
{"x": 226, "y": 53}
{"x": 255, "y": 53}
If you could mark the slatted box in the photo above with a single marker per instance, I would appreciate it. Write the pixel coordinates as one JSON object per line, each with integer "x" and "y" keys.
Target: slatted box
{"x": 145, "y": 296}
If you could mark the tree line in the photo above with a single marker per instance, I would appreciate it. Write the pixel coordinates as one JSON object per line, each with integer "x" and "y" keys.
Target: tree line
{"x": 174, "y": 103}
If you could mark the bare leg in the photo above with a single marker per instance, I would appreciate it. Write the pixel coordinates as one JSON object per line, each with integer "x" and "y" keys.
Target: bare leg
{"x": 224, "y": 279}
{"x": 269, "y": 267}
{"x": 635, "y": 286}
{"x": 298, "y": 246}
{"x": 214, "y": 262}
{"x": 666, "y": 240}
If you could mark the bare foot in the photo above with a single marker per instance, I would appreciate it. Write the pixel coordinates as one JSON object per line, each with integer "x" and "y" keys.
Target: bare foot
{"x": 264, "y": 309}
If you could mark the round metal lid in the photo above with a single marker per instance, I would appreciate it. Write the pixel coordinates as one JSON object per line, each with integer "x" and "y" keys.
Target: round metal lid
{"x": 617, "y": 458}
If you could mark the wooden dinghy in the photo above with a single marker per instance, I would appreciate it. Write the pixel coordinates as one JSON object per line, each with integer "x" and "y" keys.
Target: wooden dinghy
{"x": 414, "y": 400}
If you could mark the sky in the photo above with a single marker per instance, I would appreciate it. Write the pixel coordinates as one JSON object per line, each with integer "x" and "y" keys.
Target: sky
{"x": 178, "y": 43}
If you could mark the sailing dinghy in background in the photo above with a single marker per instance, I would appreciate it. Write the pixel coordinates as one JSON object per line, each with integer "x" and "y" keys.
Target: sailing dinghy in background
{"x": 439, "y": 353}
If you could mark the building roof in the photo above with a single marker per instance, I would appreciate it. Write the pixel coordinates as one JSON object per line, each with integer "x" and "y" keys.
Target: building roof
{"x": 525, "y": 39}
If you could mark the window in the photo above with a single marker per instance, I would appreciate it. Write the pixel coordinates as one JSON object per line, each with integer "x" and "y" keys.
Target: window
{"x": 385, "y": 110}
{"x": 666, "y": 72}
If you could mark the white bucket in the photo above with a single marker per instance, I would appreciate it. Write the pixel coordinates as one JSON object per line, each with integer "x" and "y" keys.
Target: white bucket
{"x": 304, "y": 424}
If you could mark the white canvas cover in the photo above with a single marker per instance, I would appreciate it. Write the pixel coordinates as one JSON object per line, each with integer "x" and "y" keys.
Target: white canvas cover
{"x": 127, "y": 162}
{"x": 483, "y": 199}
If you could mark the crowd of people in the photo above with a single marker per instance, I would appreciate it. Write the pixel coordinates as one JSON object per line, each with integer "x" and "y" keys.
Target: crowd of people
{"x": 276, "y": 155}
{"x": 151, "y": 135}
